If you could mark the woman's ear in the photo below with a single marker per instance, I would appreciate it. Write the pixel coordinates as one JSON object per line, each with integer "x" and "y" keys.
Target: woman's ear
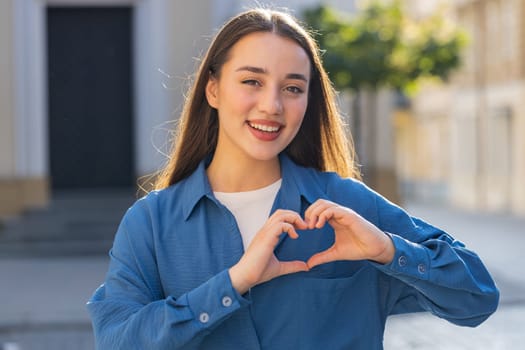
{"x": 212, "y": 87}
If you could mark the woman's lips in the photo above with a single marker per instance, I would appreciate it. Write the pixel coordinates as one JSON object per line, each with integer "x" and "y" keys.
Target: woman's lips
{"x": 265, "y": 130}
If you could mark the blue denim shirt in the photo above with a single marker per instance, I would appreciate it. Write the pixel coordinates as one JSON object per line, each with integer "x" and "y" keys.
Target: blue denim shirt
{"x": 168, "y": 285}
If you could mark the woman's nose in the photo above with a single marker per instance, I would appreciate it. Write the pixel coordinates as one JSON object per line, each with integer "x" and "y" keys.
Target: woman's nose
{"x": 271, "y": 102}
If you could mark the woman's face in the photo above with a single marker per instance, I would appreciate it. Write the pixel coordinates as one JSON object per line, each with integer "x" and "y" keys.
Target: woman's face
{"x": 261, "y": 96}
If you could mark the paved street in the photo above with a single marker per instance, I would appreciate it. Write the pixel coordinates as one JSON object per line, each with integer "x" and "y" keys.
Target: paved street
{"x": 502, "y": 331}
{"x": 43, "y": 297}
{"x": 44, "y": 302}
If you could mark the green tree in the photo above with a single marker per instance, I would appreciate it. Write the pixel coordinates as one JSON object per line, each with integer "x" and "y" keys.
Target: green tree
{"x": 380, "y": 46}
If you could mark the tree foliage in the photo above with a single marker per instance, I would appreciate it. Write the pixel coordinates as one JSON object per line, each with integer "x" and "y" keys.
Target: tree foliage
{"x": 381, "y": 46}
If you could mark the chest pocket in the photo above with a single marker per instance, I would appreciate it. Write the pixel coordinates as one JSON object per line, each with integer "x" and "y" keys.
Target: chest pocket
{"x": 327, "y": 307}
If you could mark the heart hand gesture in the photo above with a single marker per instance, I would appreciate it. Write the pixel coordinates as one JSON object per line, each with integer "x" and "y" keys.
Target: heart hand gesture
{"x": 355, "y": 237}
{"x": 259, "y": 263}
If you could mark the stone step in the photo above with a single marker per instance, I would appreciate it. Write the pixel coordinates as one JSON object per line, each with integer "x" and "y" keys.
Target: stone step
{"x": 74, "y": 222}
{"x": 59, "y": 248}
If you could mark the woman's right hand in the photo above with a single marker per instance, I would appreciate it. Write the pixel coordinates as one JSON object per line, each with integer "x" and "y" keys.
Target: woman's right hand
{"x": 259, "y": 264}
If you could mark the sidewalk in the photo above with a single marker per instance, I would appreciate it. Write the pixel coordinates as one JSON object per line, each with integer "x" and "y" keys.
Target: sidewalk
{"x": 48, "y": 291}
{"x": 43, "y": 302}
{"x": 502, "y": 331}
{"x": 497, "y": 238}
{"x": 43, "y": 298}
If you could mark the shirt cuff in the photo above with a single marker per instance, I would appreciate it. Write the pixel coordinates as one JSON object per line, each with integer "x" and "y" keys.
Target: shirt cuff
{"x": 411, "y": 260}
{"x": 215, "y": 300}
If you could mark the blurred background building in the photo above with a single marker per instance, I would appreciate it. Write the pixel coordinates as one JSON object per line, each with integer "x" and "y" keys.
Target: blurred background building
{"x": 89, "y": 89}
{"x": 462, "y": 142}
{"x": 85, "y": 85}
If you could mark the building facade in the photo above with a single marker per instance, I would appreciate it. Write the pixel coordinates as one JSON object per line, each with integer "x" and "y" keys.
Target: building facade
{"x": 90, "y": 89}
{"x": 54, "y": 74}
{"x": 461, "y": 142}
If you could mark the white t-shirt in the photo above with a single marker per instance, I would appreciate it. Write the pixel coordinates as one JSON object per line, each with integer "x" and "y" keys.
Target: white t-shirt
{"x": 250, "y": 209}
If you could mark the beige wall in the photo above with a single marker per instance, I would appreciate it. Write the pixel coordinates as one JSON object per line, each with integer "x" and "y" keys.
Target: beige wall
{"x": 518, "y": 157}
{"x": 170, "y": 36}
{"x": 6, "y": 92}
{"x": 423, "y": 159}
{"x": 189, "y": 30}
{"x": 16, "y": 193}
{"x": 469, "y": 143}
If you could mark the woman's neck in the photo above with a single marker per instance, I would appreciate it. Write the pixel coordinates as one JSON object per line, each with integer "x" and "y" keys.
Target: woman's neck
{"x": 227, "y": 174}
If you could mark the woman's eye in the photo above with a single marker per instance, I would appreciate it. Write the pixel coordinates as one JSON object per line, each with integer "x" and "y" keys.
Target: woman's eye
{"x": 251, "y": 82}
{"x": 294, "y": 89}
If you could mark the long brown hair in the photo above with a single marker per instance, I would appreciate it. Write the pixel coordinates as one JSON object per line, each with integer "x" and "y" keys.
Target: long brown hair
{"x": 321, "y": 141}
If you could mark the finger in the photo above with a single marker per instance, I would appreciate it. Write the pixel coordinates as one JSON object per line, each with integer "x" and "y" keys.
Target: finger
{"x": 289, "y": 229}
{"x": 315, "y": 207}
{"x": 322, "y": 258}
{"x": 288, "y": 216}
{"x": 287, "y": 267}
{"x": 269, "y": 235}
{"x": 338, "y": 214}
{"x": 325, "y": 216}
{"x": 312, "y": 213}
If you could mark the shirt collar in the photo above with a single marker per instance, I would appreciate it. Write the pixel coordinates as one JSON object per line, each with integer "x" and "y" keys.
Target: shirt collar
{"x": 195, "y": 187}
{"x": 298, "y": 183}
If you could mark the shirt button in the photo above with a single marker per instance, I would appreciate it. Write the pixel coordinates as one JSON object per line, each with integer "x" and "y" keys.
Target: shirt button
{"x": 402, "y": 261}
{"x": 421, "y": 268}
{"x": 226, "y": 301}
{"x": 204, "y": 317}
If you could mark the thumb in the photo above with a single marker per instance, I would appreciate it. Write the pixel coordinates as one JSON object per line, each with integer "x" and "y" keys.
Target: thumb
{"x": 322, "y": 258}
{"x": 287, "y": 267}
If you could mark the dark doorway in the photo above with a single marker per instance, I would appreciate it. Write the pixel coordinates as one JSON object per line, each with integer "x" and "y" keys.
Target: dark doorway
{"x": 90, "y": 97}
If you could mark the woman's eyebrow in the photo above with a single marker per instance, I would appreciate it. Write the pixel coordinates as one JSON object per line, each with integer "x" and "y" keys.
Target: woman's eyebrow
{"x": 297, "y": 76}
{"x": 252, "y": 69}
{"x": 259, "y": 70}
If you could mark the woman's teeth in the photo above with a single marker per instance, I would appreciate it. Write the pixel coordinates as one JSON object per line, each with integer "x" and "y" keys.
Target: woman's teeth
{"x": 265, "y": 128}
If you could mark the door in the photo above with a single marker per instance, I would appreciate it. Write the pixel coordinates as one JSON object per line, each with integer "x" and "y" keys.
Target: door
{"x": 90, "y": 97}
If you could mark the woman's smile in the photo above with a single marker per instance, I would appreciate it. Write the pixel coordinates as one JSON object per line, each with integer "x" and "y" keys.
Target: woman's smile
{"x": 265, "y": 130}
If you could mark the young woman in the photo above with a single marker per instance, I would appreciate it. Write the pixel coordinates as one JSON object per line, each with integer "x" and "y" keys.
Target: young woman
{"x": 260, "y": 234}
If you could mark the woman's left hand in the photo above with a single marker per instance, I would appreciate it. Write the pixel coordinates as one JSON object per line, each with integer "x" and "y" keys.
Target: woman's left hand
{"x": 355, "y": 237}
